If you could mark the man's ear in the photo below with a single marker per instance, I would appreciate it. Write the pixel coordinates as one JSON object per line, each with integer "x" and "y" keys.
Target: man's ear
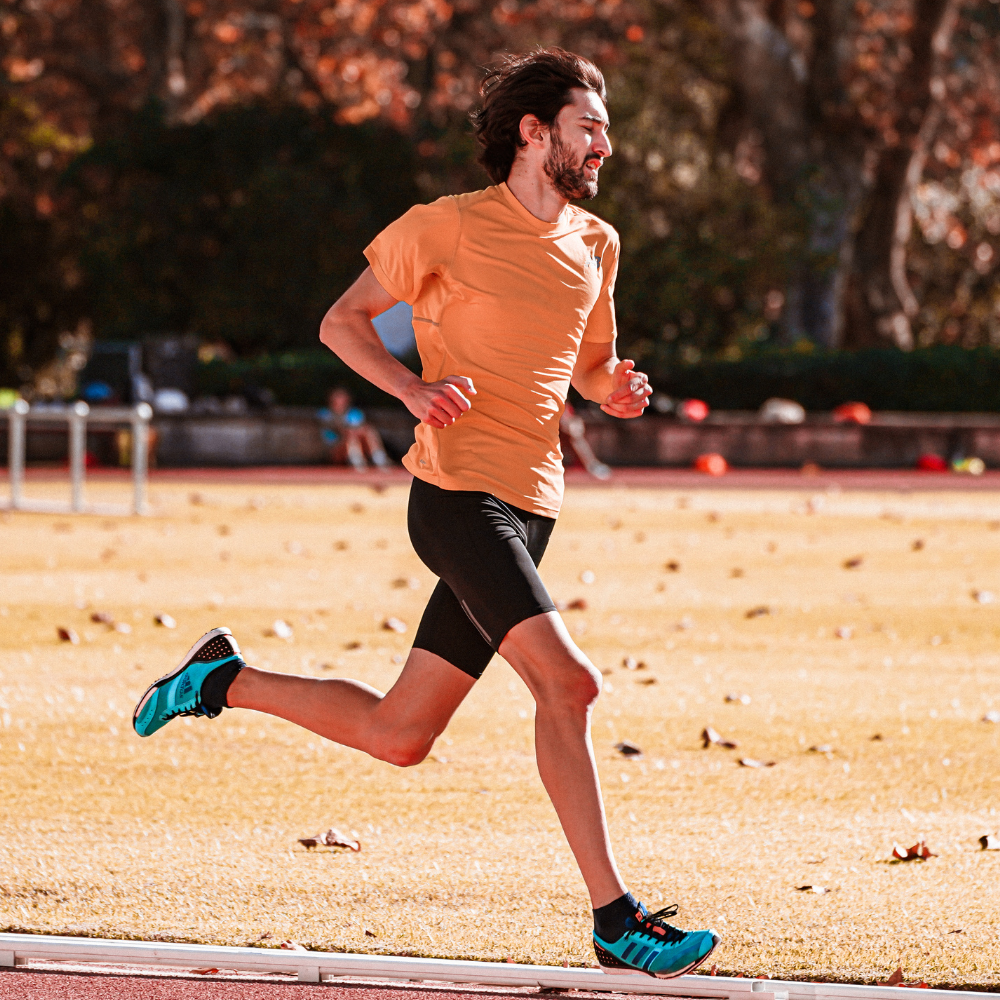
{"x": 533, "y": 131}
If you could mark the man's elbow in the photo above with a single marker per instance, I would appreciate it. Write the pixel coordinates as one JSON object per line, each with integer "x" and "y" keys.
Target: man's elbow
{"x": 329, "y": 328}
{"x": 585, "y": 385}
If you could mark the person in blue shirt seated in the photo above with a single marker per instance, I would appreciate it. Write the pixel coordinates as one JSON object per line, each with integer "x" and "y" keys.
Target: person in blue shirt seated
{"x": 350, "y": 438}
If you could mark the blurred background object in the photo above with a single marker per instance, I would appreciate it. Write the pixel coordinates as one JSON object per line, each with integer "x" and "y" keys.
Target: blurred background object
{"x": 694, "y": 410}
{"x": 782, "y": 411}
{"x": 852, "y": 413}
{"x": 348, "y": 435}
{"x": 711, "y": 464}
{"x": 575, "y": 446}
{"x": 395, "y": 329}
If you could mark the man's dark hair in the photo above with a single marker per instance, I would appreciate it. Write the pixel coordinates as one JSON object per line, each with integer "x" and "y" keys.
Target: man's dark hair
{"x": 535, "y": 83}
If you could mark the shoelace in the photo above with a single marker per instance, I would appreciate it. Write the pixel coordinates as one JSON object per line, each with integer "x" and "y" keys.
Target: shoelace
{"x": 198, "y": 709}
{"x": 671, "y": 934}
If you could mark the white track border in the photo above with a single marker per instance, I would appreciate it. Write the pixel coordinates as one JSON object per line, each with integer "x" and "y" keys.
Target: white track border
{"x": 318, "y": 966}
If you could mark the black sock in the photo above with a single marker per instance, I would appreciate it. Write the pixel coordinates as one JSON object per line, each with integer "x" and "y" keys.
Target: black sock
{"x": 609, "y": 921}
{"x": 215, "y": 686}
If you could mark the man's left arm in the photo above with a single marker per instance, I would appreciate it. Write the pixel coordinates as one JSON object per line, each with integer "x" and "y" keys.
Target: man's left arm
{"x": 600, "y": 377}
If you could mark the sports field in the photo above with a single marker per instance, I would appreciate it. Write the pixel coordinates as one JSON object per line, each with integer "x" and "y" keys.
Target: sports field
{"x": 870, "y": 615}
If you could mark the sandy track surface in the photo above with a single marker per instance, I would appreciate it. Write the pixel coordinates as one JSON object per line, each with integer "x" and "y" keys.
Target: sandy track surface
{"x": 192, "y": 834}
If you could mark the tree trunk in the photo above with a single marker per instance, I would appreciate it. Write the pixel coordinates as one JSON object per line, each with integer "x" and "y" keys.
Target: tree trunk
{"x": 849, "y": 286}
{"x": 880, "y": 304}
{"x": 812, "y": 166}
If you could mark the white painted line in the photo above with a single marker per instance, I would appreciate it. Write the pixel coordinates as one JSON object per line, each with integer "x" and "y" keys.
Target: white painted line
{"x": 319, "y": 966}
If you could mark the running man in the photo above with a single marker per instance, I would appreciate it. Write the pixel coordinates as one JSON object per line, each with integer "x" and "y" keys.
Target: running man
{"x": 512, "y": 295}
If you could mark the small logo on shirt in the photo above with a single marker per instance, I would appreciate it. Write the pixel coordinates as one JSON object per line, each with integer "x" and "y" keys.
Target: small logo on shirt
{"x": 594, "y": 261}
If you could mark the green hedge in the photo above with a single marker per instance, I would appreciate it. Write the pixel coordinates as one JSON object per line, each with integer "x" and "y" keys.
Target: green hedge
{"x": 937, "y": 379}
{"x": 299, "y": 378}
{"x": 934, "y": 379}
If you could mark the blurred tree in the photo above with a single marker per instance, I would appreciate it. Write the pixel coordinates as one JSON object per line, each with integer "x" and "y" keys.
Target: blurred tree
{"x": 828, "y": 104}
{"x": 751, "y": 134}
{"x": 836, "y": 106}
{"x": 243, "y": 228}
{"x": 40, "y": 281}
{"x": 955, "y": 251}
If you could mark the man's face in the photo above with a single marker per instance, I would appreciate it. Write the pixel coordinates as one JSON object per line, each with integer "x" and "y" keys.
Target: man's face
{"x": 578, "y": 146}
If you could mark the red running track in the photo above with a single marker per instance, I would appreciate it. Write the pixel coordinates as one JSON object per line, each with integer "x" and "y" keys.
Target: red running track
{"x": 902, "y": 480}
{"x": 32, "y": 984}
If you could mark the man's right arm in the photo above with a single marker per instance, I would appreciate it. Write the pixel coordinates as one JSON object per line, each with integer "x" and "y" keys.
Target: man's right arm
{"x": 348, "y": 331}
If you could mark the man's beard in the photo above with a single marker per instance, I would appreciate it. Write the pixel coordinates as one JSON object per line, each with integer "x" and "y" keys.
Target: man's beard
{"x": 567, "y": 178}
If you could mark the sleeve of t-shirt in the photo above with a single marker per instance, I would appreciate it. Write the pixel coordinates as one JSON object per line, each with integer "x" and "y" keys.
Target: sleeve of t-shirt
{"x": 418, "y": 244}
{"x": 601, "y": 327}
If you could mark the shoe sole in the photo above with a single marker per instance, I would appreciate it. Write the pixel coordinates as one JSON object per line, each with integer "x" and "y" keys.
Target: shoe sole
{"x": 166, "y": 678}
{"x": 610, "y": 971}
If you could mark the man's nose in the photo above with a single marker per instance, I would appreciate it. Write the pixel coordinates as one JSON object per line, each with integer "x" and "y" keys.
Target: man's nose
{"x": 603, "y": 146}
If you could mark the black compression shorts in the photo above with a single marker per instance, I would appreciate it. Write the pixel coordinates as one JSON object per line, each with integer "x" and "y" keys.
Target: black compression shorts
{"x": 486, "y": 553}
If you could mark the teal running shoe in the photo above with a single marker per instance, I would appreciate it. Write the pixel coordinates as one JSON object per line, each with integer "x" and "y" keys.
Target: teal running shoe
{"x": 179, "y": 692}
{"x": 652, "y": 947}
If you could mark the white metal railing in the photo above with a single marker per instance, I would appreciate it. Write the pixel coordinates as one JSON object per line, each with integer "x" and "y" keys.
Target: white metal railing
{"x": 76, "y": 417}
{"x": 318, "y": 966}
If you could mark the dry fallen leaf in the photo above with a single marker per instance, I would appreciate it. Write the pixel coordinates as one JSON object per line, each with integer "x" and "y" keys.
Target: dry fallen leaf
{"x": 983, "y": 596}
{"x": 990, "y": 842}
{"x": 758, "y": 612}
{"x": 646, "y": 680}
{"x": 165, "y": 620}
{"x": 394, "y": 625}
{"x": 103, "y": 618}
{"x": 711, "y": 738}
{"x": 750, "y": 762}
{"x": 628, "y": 749}
{"x": 673, "y": 566}
{"x": 292, "y": 946}
{"x": 631, "y": 663}
{"x": 918, "y": 544}
{"x": 821, "y": 748}
{"x": 736, "y": 573}
{"x": 369, "y": 933}
{"x": 332, "y": 838}
{"x": 895, "y": 979}
{"x": 818, "y": 889}
{"x": 743, "y": 699}
{"x": 68, "y": 635}
{"x": 918, "y": 852}
{"x": 854, "y": 562}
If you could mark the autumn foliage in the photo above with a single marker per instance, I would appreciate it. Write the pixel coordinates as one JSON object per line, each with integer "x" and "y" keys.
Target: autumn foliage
{"x": 783, "y": 170}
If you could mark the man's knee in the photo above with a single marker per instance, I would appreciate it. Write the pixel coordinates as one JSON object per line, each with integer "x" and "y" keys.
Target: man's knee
{"x": 573, "y": 685}
{"x": 403, "y": 749}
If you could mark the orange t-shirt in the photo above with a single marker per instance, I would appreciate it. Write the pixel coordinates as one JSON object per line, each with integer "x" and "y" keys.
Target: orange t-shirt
{"x": 504, "y": 299}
